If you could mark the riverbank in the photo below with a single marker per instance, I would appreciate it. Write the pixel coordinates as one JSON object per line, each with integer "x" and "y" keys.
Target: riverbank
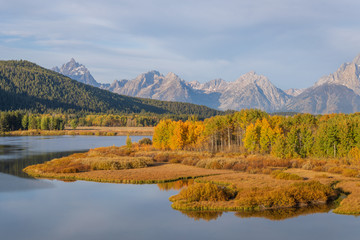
{"x": 96, "y": 131}
{"x": 219, "y": 184}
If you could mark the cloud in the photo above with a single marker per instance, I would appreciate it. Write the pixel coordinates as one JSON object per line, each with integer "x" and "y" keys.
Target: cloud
{"x": 289, "y": 41}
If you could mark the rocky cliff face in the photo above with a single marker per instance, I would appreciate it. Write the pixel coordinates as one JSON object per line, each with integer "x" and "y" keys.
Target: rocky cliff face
{"x": 325, "y": 98}
{"x": 252, "y": 91}
{"x": 294, "y": 91}
{"x": 347, "y": 75}
{"x": 335, "y": 93}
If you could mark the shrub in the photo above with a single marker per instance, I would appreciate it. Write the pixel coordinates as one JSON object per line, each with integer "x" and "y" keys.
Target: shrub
{"x": 145, "y": 141}
{"x": 295, "y": 195}
{"x": 205, "y": 192}
{"x": 161, "y": 157}
{"x": 118, "y": 164}
{"x": 350, "y": 172}
{"x": 128, "y": 142}
{"x": 307, "y": 166}
{"x": 278, "y": 174}
{"x": 175, "y": 160}
{"x": 337, "y": 170}
{"x": 318, "y": 169}
{"x": 192, "y": 161}
{"x": 70, "y": 170}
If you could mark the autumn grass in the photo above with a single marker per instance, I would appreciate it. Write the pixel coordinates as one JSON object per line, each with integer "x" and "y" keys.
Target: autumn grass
{"x": 118, "y": 165}
{"x": 351, "y": 204}
{"x": 278, "y": 174}
{"x": 110, "y": 158}
{"x": 91, "y": 131}
{"x": 155, "y": 174}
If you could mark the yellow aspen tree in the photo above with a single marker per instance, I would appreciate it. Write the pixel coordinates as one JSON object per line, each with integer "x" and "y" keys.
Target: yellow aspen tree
{"x": 251, "y": 139}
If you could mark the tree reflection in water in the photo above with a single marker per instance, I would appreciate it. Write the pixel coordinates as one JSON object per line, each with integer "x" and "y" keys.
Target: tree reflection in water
{"x": 15, "y": 166}
{"x": 202, "y": 215}
{"x": 176, "y": 185}
{"x": 273, "y": 214}
{"x": 285, "y": 213}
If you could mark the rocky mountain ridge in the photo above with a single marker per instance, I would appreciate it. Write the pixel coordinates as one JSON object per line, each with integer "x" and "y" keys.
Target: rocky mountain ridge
{"x": 337, "y": 92}
{"x": 77, "y": 71}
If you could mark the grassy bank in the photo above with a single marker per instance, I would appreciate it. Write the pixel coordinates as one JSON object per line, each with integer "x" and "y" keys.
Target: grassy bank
{"x": 117, "y": 165}
{"x": 223, "y": 181}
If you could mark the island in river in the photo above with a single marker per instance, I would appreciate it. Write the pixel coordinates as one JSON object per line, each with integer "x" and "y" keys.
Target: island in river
{"x": 223, "y": 181}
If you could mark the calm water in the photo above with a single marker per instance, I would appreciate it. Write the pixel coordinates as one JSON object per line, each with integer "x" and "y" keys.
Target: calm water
{"x": 50, "y": 209}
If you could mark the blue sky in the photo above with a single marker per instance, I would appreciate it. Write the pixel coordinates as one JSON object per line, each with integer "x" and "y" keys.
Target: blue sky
{"x": 292, "y": 42}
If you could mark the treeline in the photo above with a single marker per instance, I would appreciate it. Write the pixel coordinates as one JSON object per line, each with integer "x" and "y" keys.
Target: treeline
{"x": 133, "y": 120}
{"x": 256, "y": 132}
{"x": 16, "y": 120}
{"x": 21, "y": 120}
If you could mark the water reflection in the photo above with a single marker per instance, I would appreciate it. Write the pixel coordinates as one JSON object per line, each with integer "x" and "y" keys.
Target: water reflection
{"x": 176, "y": 185}
{"x": 285, "y": 213}
{"x": 15, "y": 166}
{"x": 10, "y": 183}
{"x": 274, "y": 214}
{"x": 202, "y": 215}
{"x": 9, "y": 149}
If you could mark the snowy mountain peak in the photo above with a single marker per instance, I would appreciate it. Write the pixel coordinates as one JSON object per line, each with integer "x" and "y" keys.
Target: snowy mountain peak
{"x": 78, "y": 72}
{"x": 347, "y": 75}
{"x": 172, "y": 75}
{"x": 357, "y": 60}
{"x": 253, "y": 78}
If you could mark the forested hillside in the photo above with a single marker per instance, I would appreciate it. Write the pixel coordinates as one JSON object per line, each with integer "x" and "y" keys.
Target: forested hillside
{"x": 27, "y": 86}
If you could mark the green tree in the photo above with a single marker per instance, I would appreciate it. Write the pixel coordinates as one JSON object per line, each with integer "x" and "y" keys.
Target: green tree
{"x": 251, "y": 139}
{"x": 25, "y": 122}
{"x": 74, "y": 123}
{"x": 45, "y": 120}
{"x": 33, "y": 122}
{"x": 128, "y": 142}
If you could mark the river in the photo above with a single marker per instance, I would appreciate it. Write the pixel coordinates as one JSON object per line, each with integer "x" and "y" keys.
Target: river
{"x": 51, "y": 209}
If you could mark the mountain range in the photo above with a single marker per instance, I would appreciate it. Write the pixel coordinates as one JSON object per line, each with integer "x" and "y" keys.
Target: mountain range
{"x": 27, "y": 86}
{"x": 337, "y": 92}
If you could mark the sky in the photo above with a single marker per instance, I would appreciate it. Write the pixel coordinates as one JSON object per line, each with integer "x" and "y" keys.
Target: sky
{"x": 292, "y": 42}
